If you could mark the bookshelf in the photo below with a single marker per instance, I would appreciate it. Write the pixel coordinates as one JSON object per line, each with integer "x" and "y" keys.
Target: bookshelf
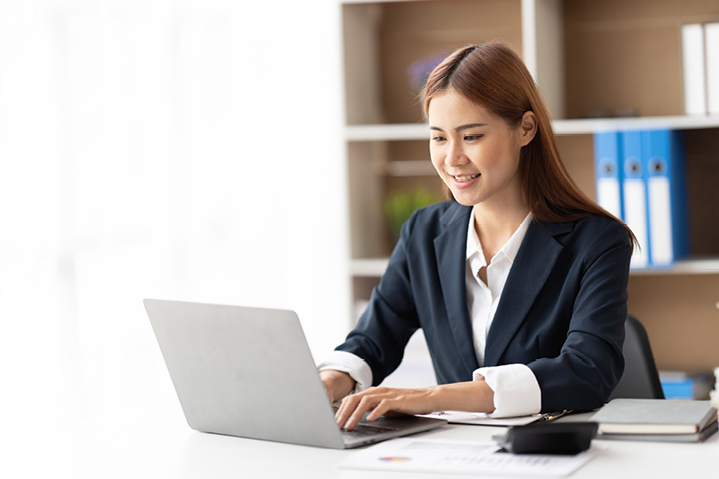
{"x": 589, "y": 58}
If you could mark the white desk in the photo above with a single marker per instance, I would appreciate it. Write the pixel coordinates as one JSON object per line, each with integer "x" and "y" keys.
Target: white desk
{"x": 156, "y": 443}
{"x": 620, "y": 460}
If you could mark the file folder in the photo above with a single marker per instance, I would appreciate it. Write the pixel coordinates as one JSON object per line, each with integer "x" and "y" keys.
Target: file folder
{"x": 711, "y": 43}
{"x": 667, "y": 198}
{"x": 634, "y": 193}
{"x": 682, "y": 385}
{"x": 607, "y": 172}
{"x": 694, "y": 69}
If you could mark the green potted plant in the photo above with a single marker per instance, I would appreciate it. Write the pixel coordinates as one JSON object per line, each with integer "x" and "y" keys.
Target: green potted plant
{"x": 400, "y": 205}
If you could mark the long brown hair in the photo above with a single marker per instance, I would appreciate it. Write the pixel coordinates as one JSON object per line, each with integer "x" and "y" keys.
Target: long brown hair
{"x": 493, "y": 76}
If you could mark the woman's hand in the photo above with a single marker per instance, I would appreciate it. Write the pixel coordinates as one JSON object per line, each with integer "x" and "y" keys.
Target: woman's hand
{"x": 338, "y": 384}
{"x": 384, "y": 401}
{"x": 471, "y": 396}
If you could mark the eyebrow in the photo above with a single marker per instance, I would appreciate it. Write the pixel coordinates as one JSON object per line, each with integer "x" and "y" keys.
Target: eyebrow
{"x": 461, "y": 127}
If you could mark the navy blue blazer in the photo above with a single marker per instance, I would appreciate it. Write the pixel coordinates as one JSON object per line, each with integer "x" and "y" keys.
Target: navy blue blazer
{"x": 561, "y": 312}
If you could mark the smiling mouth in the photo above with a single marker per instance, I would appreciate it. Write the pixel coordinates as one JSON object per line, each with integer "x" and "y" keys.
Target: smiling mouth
{"x": 464, "y": 178}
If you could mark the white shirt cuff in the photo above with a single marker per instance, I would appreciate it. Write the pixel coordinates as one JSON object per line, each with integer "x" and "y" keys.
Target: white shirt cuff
{"x": 516, "y": 390}
{"x": 351, "y": 364}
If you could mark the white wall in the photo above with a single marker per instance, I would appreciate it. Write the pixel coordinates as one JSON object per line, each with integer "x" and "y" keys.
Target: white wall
{"x": 179, "y": 149}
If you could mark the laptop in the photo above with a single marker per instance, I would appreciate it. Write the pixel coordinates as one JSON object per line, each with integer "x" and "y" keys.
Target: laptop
{"x": 248, "y": 372}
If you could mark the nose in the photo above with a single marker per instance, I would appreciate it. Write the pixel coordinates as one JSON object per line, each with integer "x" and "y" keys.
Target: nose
{"x": 455, "y": 155}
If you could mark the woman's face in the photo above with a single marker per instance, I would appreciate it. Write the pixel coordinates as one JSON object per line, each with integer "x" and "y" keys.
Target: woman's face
{"x": 475, "y": 152}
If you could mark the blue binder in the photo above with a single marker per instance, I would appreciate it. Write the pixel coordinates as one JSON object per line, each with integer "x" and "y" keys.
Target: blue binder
{"x": 634, "y": 193}
{"x": 666, "y": 196}
{"x": 607, "y": 172}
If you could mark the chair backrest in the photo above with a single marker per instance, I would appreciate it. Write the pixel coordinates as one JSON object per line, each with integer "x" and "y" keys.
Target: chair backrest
{"x": 641, "y": 378}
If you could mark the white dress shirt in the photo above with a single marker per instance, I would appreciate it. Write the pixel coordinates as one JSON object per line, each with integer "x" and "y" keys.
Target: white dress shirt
{"x": 516, "y": 390}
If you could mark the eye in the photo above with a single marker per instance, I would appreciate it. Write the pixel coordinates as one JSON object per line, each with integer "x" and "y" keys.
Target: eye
{"x": 472, "y": 137}
{"x": 438, "y": 138}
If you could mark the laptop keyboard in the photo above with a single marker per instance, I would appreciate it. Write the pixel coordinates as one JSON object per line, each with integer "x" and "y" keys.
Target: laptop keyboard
{"x": 365, "y": 430}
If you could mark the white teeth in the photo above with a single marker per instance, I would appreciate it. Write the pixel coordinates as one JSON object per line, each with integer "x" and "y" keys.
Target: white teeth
{"x": 465, "y": 178}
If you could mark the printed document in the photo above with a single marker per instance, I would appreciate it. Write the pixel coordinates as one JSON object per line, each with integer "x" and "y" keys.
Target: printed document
{"x": 464, "y": 457}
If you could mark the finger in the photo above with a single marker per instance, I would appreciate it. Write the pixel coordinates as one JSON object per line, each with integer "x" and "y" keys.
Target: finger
{"x": 381, "y": 409}
{"x": 389, "y": 406}
{"x": 354, "y": 407}
{"x": 398, "y": 403}
{"x": 366, "y": 404}
{"x": 347, "y": 407}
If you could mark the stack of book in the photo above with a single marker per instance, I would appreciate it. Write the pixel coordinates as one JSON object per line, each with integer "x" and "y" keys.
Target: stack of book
{"x": 656, "y": 420}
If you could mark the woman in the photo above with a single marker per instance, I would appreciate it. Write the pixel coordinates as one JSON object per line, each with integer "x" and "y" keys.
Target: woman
{"x": 519, "y": 283}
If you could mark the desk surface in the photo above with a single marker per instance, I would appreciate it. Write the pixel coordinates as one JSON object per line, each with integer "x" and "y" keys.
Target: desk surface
{"x": 158, "y": 444}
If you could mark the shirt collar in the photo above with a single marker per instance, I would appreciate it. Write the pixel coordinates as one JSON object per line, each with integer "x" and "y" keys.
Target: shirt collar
{"x": 510, "y": 248}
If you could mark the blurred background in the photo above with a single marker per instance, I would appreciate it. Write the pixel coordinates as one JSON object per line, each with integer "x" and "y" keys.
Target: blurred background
{"x": 154, "y": 148}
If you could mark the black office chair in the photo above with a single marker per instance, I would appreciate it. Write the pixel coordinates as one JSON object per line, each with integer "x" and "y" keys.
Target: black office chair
{"x": 641, "y": 378}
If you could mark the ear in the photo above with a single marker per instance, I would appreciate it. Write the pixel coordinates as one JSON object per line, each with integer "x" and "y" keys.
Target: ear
{"x": 527, "y": 128}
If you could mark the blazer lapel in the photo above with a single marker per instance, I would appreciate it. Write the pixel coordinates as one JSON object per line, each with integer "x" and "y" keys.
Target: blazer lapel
{"x": 535, "y": 260}
{"x": 451, "y": 250}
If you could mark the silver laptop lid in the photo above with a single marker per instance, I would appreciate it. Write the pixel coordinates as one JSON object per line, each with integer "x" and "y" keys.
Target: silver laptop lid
{"x": 244, "y": 371}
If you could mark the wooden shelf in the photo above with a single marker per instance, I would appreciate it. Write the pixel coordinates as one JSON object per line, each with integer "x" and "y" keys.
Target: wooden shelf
{"x": 375, "y": 267}
{"x": 690, "y": 266}
{"x": 593, "y": 125}
{"x": 368, "y": 267}
{"x": 396, "y": 132}
{"x": 588, "y": 58}
{"x": 420, "y": 131}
